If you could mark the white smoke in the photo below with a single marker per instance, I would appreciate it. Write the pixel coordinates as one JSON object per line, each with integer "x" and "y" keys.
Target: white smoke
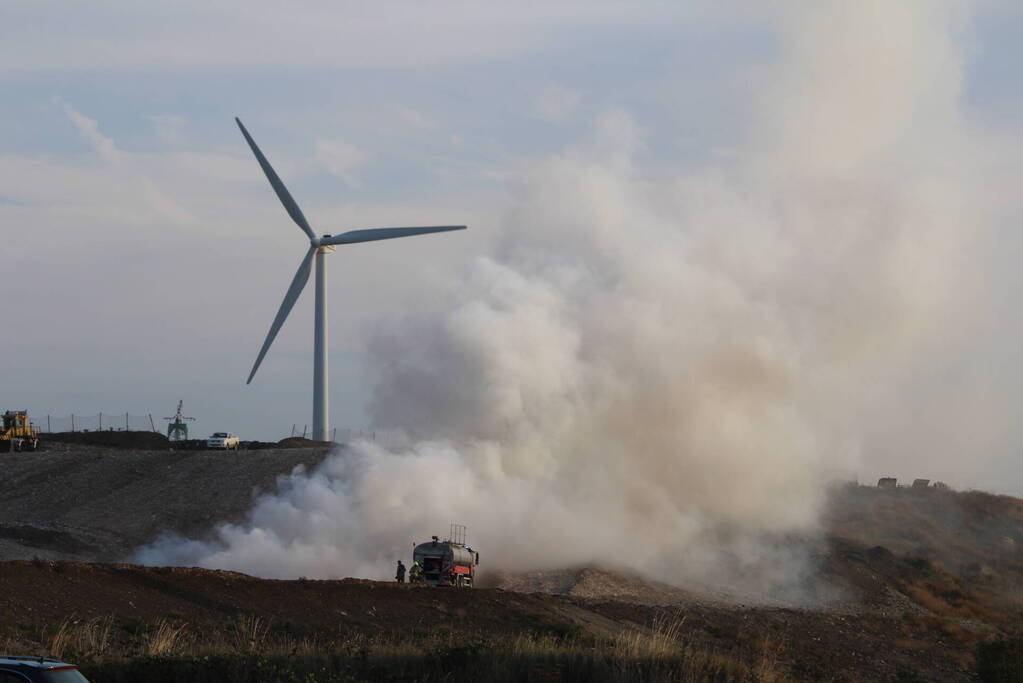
{"x": 662, "y": 373}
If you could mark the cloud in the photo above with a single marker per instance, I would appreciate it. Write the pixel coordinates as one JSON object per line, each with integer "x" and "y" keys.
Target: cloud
{"x": 89, "y": 129}
{"x": 339, "y": 158}
{"x": 127, "y": 172}
{"x": 191, "y": 34}
{"x": 556, "y": 103}
{"x": 169, "y": 128}
{"x": 414, "y": 118}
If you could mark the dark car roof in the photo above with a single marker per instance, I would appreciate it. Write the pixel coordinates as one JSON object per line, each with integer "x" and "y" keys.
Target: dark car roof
{"x": 34, "y": 662}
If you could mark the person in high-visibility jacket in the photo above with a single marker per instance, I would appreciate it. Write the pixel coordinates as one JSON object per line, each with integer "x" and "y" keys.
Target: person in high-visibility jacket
{"x": 415, "y": 574}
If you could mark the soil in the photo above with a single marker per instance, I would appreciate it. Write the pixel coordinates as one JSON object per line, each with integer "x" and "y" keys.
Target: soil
{"x": 924, "y": 575}
{"x": 81, "y": 502}
{"x": 149, "y": 441}
{"x": 35, "y": 596}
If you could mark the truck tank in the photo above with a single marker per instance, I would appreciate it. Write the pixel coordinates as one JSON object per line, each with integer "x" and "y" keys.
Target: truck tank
{"x": 447, "y": 563}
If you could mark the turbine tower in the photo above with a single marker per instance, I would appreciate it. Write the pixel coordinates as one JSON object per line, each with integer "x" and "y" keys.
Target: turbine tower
{"x": 319, "y": 247}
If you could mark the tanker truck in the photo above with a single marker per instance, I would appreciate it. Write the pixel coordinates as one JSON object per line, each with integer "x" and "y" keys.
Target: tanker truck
{"x": 447, "y": 563}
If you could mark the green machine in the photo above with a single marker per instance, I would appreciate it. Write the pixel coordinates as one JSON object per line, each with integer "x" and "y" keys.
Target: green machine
{"x": 177, "y": 428}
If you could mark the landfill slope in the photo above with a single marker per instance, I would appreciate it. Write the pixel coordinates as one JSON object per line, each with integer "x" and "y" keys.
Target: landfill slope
{"x": 97, "y": 504}
{"x": 954, "y": 555}
{"x": 922, "y": 576}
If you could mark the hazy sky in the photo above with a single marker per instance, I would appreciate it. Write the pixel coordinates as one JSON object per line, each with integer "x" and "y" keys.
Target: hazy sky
{"x": 144, "y": 254}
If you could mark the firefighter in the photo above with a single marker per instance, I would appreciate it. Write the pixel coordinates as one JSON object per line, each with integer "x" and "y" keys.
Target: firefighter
{"x": 415, "y": 575}
{"x": 400, "y": 575}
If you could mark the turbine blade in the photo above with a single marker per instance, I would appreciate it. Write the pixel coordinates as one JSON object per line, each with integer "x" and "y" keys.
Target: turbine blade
{"x": 297, "y": 285}
{"x": 374, "y": 234}
{"x": 282, "y": 192}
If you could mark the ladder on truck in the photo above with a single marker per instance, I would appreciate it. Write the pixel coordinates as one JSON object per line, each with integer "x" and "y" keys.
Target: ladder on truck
{"x": 457, "y": 534}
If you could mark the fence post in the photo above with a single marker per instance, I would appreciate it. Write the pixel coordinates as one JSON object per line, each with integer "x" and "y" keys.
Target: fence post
{"x": 72, "y": 422}
{"x": 48, "y": 430}
{"x": 100, "y": 422}
{"x": 126, "y": 422}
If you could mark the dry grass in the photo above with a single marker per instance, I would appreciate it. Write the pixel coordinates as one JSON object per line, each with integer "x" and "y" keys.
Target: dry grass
{"x": 88, "y": 639}
{"x": 13, "y": 645}
{"x": 250, "y": 634}
{"x": 61, "y": 639}
{"x": 658, "y": 653}
{"x": 167, "y": 638}
{"x": 927, "y": 599}
{"x": 294, "y": 647}
{"x": 768, "y": 668}
{"x": 663, "y": 640}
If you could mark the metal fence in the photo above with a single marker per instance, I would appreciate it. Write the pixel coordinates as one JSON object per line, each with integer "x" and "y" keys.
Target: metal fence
{"x": 384, "y": 437}
{"x": 97, "y": 422}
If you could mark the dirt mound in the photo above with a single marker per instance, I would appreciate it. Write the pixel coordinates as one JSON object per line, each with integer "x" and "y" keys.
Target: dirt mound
{"x": 299, "y": 442}
{"x": 91, "y": 503}
{"x": 929, "y": 552}
{"x": 144, "y": 441}
{"x": 595, "y": 583}
{"x": 951, "y": 553}
{"x": 956, "y": 529}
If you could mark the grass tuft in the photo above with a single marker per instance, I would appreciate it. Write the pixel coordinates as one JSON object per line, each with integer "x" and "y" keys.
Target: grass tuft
{"x": 165, "y": 639}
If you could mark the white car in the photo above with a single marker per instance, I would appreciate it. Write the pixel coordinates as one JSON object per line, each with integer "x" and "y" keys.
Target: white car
{"x": 225, "y": 440}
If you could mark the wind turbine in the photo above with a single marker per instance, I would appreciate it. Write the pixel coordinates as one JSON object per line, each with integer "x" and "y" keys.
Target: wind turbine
{"x": 319, "y": 247}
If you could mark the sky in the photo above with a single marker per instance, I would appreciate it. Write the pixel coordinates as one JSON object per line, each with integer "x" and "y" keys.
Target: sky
{"x": 144, "y": 254}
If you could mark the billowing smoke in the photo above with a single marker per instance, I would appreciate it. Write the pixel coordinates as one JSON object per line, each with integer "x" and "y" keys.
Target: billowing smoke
{"x": 661, "y": 370}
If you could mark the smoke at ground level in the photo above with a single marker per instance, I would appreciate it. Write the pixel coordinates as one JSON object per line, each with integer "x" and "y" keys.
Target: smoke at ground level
{"x": 659, "y": 368}
{"x": 364, "y": 507}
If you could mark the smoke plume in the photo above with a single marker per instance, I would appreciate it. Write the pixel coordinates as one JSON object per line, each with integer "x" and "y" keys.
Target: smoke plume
{"x": 662, "y": 370}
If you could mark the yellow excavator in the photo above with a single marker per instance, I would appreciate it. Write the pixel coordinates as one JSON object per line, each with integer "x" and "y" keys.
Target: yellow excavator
{"x": 17, "y": 433}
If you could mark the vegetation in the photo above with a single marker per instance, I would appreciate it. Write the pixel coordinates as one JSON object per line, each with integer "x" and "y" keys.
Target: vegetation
{"x": 248, "y": 650}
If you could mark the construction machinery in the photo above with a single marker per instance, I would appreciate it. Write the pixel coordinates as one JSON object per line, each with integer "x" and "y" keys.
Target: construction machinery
{"x": 447, "y": 563}
{"x": 177, "y": 429}
{"x": 17, "y": 433}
